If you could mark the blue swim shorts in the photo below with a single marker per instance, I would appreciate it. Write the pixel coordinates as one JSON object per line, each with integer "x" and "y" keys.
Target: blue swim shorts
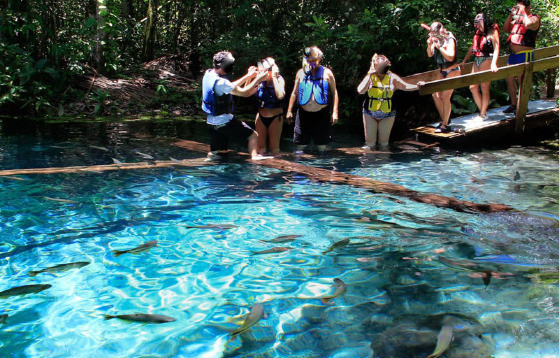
{"x": 520, "y": 57}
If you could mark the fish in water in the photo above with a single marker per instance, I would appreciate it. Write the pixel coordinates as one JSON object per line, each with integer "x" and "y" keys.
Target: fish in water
{"x": 212, "y": 226}
{"x": 256, "y": 314}
{"x": 65, "y": 201}
{"x": 144, "y": 155}
{"x": 61, "y": 267}
{"x": 116, "y": 161}
{"x": 283, "y": 238}
{"x": 142, "y": 317}
{"x": 273, "y": 250}
{"x": 337, "y": 245}
{"x": 516, "y": 176}
{"x": 143, "y": 247}
{"x": 443, "y": 341}
{"x": 99, "y": 148}
{"x": 23, "y": 290}
{"x": 486, "y": 278}
{"x": 340, "y": 288}
{"x": 3, "y": 318}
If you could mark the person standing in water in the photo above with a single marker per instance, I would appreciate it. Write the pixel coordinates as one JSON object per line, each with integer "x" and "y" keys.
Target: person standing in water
{"x": 314, "y": 90}
{"x": 269, "y": 119}
{"x": 523, "y": 27}
{"x": 217, "y": 102}
{"x": 441, "y": 45}
{"x": 378, "y": 114}
{"x": 485, "y": 49}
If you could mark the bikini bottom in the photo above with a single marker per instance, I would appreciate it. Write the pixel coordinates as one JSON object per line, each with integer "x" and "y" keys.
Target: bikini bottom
{"x": 445, "y": 73}
{"x": 268, "y": 120}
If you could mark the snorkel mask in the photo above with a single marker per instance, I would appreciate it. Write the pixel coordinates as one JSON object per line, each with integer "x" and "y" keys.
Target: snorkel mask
{"x": 312, "y": 57}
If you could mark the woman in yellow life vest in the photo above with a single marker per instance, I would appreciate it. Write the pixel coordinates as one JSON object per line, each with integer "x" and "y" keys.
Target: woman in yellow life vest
{"x": 378, "y": 115}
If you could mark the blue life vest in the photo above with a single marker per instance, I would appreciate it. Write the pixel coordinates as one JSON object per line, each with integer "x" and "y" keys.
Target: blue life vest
{"x": 213, "y": 104}
{"x": 266, "y": 96}
{"x": 313, "y": 85}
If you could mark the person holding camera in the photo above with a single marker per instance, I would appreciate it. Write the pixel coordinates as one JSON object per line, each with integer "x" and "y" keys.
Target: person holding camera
{"x": 523, "y": 27}
{"x": 441, "y": 45}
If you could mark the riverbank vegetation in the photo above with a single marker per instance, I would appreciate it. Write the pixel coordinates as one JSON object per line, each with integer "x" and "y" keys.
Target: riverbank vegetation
{"x": 100, "y": 57}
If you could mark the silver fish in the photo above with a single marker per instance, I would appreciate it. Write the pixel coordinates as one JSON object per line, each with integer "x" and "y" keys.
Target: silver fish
{"x": 142, "y": 317}
{"x": 443, "y": 341}
{"x": 256, "y": 314}
{"x": 283, "y": 238}
{"x": 23, "y": 290}
{"x": 144, "y": 155}
{"x": 212, "y": 226}
{"x": 99, "y": 148}
{"x": 65, "y": 201}
{"x": 116, "y": 161}
{"x": 61, "y": 267}
{"x": 273, "y": 250}
{"x": 143, "y": 247}
{"x": 340, "y": 289}
{"x": 337, "y": 244}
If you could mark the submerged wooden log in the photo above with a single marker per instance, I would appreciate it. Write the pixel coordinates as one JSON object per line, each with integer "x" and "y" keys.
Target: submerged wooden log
{"x": 9, "y": 174}
{"x": 331, "y": 176}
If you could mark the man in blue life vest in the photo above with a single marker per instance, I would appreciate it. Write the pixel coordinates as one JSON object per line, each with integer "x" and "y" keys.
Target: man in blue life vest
{"x": 314, "y": 90}
{"x": 523, "y": 27}
{"x": 217, "y": 102}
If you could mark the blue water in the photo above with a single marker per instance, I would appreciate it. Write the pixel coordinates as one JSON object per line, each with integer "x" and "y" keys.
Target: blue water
{"x": 406, "y": 266}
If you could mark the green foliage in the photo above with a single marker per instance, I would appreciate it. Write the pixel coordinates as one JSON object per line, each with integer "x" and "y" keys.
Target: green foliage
{"x": 45, "y": 42}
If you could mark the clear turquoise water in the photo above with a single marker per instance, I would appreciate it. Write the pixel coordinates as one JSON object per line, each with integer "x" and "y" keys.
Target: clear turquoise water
{"x": 207, "y": 279}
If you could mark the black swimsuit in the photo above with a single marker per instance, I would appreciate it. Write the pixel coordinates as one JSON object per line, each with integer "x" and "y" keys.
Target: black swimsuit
{"x": 268, "y": 120}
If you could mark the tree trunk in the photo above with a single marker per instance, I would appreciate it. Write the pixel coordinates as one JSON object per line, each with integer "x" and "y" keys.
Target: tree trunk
{"x": 149, "y": 34}
{"x": 100, "y": 13}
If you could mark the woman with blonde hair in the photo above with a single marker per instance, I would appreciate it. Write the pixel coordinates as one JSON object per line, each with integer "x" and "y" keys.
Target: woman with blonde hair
{"x": 378, "y": 114}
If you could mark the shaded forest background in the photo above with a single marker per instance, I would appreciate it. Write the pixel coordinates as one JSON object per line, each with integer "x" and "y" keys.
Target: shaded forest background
{"x": 150, "y": 53}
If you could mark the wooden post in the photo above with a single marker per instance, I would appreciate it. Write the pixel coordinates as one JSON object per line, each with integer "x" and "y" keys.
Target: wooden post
{"x": 550, "y": 77}
{"x": 523, "y": 98}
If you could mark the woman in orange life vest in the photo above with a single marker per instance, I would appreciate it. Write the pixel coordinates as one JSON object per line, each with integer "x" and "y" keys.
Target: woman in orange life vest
{"x": 269, "y": 119}
{"x": 378, "y": 115}
{"x": 485, "y": 49}
{"x": 441, "y": 45}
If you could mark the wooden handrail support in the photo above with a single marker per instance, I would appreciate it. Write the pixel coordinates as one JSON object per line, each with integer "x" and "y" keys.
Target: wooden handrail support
{"x": 524, "y": 71}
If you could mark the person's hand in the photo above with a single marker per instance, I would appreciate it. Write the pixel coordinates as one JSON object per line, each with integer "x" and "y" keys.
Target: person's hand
{"x": 494, "y": 67}
{"x": 261, "y": 75}
{"x": 421, "y": 83}
{"x": 252, "y": 71}
{"x": 334, "y": 117}
{"x": 289, "y": 117}
{"x": 275, "y": 72}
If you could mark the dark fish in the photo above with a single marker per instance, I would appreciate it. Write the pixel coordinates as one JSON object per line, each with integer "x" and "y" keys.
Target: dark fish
{"x": 3, "y": 318}
{"x": 337, "y": 244}
{"x": 142, "y": 317}
{"x": 283, "y": 238}
{"x": 340, "y": 289}
{"x": 61, "y": 267}
{"x": 143, "y": 247}
{"x": 23, "y": 290}
{"x": 212, "y": 226}
{"x": 516, "y": 176}
{"x": 273, "y": 250}
{"x": 256, "y": 314}
{"x": 486, "y": 277}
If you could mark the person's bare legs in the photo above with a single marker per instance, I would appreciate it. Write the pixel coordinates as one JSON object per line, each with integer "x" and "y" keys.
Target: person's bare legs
{"x": 384, "y": 129}
{"x": 274, "y": 134}
{"x": 262, "y": 134}
{"x": 512, "y": 88}
{"x": 370, "y": 126}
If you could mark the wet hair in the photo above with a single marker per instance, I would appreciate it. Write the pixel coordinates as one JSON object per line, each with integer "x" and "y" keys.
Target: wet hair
{"x": 436, "y": 27}
{"x": 223, "y": 59}
{"x": 312, "y": 53}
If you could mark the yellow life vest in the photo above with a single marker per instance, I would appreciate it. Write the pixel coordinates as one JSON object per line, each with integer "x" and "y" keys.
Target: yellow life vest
{"x": 380, "y": 94}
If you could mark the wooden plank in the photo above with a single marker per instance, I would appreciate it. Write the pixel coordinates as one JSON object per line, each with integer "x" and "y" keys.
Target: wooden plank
{"x": 471, "y": 78}
{"x": 523, "y": 98}
{"x": 103, "y": 168}
{"x": 547, "y": 63}
{"x": 539, "y": 53}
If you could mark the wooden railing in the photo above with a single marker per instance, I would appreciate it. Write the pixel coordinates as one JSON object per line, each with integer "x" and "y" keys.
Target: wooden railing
{"x": 546, "y": 58}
